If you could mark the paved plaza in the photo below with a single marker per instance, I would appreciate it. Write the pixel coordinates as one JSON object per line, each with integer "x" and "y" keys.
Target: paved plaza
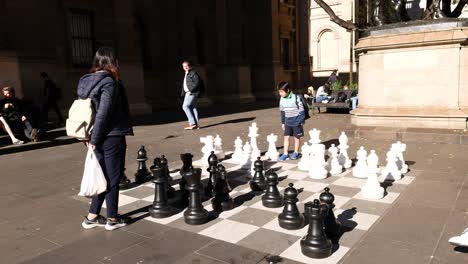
{"x": 41, "y": 213}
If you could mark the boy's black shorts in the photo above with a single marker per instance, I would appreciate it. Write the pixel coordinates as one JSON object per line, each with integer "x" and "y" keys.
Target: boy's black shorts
{"x": 294, "y": 131}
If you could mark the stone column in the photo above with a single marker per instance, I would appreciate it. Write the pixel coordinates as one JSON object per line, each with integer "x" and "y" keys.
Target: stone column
{"x": 3, "y": 25}
{"x": 131, "y": 68}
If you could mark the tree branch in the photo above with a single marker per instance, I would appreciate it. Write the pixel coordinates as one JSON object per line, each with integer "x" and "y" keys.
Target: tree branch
{"x": 334, "y": 18}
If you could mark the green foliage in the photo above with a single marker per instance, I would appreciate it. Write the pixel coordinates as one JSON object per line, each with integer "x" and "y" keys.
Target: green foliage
{"x": 353, "y": 86}
{"x": 336, "y": 85}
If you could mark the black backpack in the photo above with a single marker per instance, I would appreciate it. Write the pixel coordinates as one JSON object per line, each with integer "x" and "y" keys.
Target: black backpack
{"x": 304, "y": 104}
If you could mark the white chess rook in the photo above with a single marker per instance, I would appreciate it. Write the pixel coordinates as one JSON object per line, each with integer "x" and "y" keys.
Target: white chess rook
{"x": 360, "y": 169}
{"x": 272, "y": 153}
{"x": 372, "y": 188}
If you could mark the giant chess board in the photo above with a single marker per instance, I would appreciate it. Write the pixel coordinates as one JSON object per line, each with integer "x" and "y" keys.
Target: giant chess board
{"x": 254, "y": 226}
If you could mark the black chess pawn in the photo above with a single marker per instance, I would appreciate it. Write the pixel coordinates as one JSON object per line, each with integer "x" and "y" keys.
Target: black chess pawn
{"x": 195, "y": 214}
{"x": 169, "y": 189}
{"x": 291, "y": 218}
{"x": 124, "y": 183}
{"x": 332, "y": 225}
{"x": 142, "y": 175}
{"x": 212, "y": 169}
{"x": 222, "y": 201}
{"x": 272, "y": 197}
{"x": 315, "y": 244}
{"x": 258, "y": 182}
{"x": 160, "y": 207}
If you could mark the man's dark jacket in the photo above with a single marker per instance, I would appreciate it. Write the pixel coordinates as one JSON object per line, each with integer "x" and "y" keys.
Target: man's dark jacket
{"x": 194, "y": 83}
{"x": 13, "y": 113}
{"x": 110, "y": 104}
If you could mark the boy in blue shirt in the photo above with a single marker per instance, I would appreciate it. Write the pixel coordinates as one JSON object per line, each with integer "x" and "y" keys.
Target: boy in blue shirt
{"x": 292, "y": 119}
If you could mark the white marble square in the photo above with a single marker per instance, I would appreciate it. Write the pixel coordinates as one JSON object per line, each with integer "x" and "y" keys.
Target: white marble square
{"x": 406, "y": 180}
{"x": 310, "y": 186}
{"x": 389, "y": 198}
{"x": 364, "y": 221}
{"x": 274, "y": 225}
{"x": 229, "y": 231}
{"x": 259, "y": 205}
{"x": 166, "y": 220}
{"x": 283, "y": 165}
{"x": 149, "y": 198}
{"x": 350, "y": 182}
{"x": 339, "y": 200}
{"x": 123, "y": 200}
{"x": 295, "y": 175}
{"x": 294, "y": 253}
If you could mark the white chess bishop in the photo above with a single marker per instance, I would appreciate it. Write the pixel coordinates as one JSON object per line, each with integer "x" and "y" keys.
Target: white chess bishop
{"x": 399, "y": 148}
{"x": 391, "y": 171}
{"x": 360, "y": 169}
{"x": 334, "y": 164}
{"x": 206, "y": 149}
{"x": 272, "y": 153}
{"x": 314, "y": 136}
{"x": 343, "y": 157}
{"x": 218, "y": 147}
{"x": 238, "y": 152}
{"x": 253, "y": 134}
{"x": 372, "y": 188}
{"x": 317, "y": 169}
{"x": 304, "y": 163}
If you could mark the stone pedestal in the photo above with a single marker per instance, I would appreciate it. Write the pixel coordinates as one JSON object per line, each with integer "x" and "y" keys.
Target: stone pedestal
{"x": 414, "y": 74}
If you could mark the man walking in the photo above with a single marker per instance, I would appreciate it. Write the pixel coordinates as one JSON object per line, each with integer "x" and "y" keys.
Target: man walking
{"x": 191, "y": 88}
{"x": 51, "y": 95}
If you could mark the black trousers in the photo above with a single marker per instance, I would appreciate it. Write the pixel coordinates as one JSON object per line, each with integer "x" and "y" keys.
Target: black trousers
{"x": 111, "y": 157}
{"x": 51, "y": 104}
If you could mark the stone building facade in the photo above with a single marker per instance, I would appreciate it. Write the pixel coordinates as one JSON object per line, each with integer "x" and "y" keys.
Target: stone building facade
{"x": 241, "y": 48}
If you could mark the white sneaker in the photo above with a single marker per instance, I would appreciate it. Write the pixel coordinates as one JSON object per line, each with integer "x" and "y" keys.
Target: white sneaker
{"x": 461, "y": 240}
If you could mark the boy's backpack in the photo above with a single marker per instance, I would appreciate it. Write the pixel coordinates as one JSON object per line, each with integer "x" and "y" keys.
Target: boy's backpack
{"x": 304, "y": 104}
{"x": 80, "y": 119}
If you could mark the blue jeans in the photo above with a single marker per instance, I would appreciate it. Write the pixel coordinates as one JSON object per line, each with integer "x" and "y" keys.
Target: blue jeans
{"x": 111, "y": 157}
{"x": 319, "y": 99}
{"x": 354, "y": 101}
{"x": 190, "y": 108}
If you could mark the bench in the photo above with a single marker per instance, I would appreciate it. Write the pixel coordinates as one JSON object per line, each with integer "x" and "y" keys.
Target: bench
{"x": 341, "y": 100}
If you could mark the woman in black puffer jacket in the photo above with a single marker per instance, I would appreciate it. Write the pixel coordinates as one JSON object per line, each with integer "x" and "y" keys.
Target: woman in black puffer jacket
{"x": 112, "y": 123}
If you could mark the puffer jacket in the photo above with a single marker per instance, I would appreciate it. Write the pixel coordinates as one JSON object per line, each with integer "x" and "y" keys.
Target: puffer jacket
{"x": 110, "y": 103}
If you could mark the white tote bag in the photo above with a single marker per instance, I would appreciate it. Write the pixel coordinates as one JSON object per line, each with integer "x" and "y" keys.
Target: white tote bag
{"x": 93, "y": 182}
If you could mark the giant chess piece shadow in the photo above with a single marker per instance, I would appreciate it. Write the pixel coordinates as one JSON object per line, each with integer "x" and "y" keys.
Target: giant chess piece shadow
{"x": 232, "y": 121}
{"x": 329, "y": 142}
{"x": 461, "y": 249}
{"x": 347, "y": 224}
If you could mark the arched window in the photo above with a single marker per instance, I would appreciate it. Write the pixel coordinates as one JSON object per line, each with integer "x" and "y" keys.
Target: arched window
{"x": 327, "y": 54}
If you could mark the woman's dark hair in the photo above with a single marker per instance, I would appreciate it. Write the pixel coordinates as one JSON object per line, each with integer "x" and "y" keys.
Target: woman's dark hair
{"x": 283, "y": 86}
{"x": 106, "y": 60}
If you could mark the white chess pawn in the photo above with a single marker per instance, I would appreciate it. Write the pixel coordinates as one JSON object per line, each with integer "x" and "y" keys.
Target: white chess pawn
{"x": 372, "y": 188}
{"x": 206, "y": 149}
{"x": 343, "y": 157}
{"x": 391, "y": 171}
{"x": 246, "y": 152}
{"x": 253, "y": 134}
{"x": 314, "y": 136}
{"x": 272, "y": 152}
{"x": 237, "y": 155}
{"x": 399, "y": 148}
{"x": 335, "y": 167}
{"x": 218, "y": 147}
{"x": 360, "y": 169}
{"x": 317, "y": 168}
{"x": 304, "y": 163}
